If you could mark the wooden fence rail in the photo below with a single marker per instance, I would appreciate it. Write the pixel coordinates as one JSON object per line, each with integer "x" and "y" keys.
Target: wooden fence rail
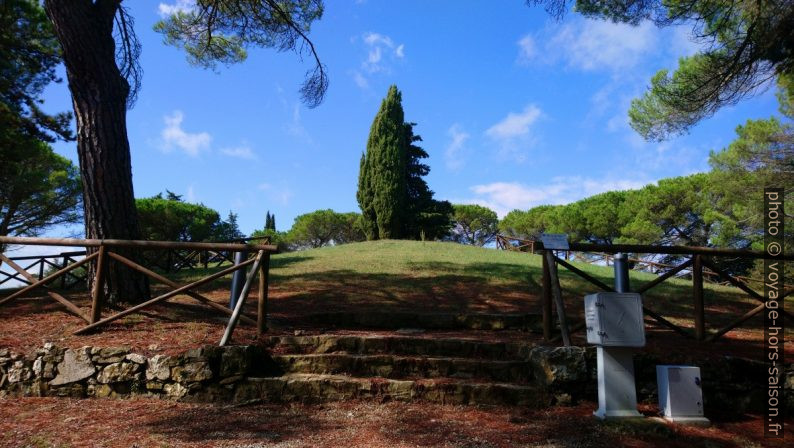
{"x": 167, "y": 260}
{"x": 699, "y": 263}
{"x": 102, "y": 254}
{"x": 42, "y": 264}
{"x": 639, "y": 264}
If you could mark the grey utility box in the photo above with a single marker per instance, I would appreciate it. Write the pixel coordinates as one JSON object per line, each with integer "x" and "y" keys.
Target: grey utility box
{"x": 680, "y": 394}
{"x": 614, "y": 319}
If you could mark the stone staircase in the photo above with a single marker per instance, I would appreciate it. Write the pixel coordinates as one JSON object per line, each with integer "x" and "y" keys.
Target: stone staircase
{"x": 392, "y": 367}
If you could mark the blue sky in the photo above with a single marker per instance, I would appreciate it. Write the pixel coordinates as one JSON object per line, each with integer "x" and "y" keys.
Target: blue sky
{"x": 515, "y": 109}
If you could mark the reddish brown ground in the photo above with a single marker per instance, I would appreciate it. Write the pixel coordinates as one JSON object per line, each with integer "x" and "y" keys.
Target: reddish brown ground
{"x": 171, "y": 328}
{"x": 44, "y": 422}
{"x": 174, "y": 327}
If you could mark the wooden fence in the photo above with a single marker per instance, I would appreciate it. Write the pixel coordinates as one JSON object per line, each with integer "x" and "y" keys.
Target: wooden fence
{"x": 100, "y": 254}
{"x": 41, "y": 264}
{"x": 638, "y": 264}
{"x": 167, "y": 260}
{"x": 699, "y": 260}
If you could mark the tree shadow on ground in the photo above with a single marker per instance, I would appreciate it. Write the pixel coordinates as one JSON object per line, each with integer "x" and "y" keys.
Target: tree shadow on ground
{"x": 417, "y": 424}
{"x": 347, "y": 290}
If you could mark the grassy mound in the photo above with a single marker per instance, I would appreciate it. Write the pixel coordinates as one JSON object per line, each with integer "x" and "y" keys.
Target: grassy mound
{"x": 447, "y": 276}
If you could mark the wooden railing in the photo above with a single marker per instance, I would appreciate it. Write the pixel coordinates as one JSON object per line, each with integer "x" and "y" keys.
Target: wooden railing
{"x": 698, "y": 263}
{"x": 41, "y": 264}
{"x": 175, "y": 260}
{"x": 592, "y": 257}
{"x": 100, "y": 253}
{"x": 166, "y": 260}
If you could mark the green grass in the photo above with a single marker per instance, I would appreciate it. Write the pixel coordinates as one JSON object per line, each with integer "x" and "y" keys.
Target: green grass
{"x": 435, "y": 276}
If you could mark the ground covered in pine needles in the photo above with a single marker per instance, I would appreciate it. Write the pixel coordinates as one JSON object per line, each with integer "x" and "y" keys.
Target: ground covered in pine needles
{"x": 53, "y": 422}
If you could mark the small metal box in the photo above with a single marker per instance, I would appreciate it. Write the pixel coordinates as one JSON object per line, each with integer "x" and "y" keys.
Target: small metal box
{"x": 614, "y": 319}
{"x": 680, "y": 394}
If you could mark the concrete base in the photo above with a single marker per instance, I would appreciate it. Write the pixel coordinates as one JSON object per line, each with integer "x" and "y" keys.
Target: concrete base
{"x": 617, "y": 394}
{"x": 611, "y": 415}
{"x": 689, "y": 421}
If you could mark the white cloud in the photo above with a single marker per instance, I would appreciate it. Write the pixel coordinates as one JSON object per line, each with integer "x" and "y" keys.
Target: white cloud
{"x": 241, "y": 152}
{"x": 190, "y": 196}
{"x": 513, "y": 133}
{"x": 453, "y": 154}
{"x": 374, "y": 58}
{"x": 527, "y": 49}
{"x": 503, "y": 197}
{"x": 514, "y": 124}
{"x": 381, "y": 53}
{"x": 592, "y": 45}
{"x": 373, "y": 39}
{"x": 165, "y": 10}
{"x": 174, "y": 136}
{"x": 378, "y": 45}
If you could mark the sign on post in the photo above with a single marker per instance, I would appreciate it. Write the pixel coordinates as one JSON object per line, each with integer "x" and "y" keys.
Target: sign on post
{"x": 555, "y": 241}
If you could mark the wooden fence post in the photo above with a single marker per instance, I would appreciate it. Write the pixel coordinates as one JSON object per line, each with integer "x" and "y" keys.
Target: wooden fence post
{"x": 261, "y": 315}
{"x": 697, "y": 292}
{"x": 557, "y": 291}
{"x": 63, "y": 266}
{"x": 99, "y": 291}
{"x": 546, "y": 301}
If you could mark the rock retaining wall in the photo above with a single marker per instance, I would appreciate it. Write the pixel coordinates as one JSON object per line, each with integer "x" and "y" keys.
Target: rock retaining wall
{"x": 235, "y": 374}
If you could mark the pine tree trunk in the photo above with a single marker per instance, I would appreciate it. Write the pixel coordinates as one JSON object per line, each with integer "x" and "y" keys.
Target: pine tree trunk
{"x": 99, "y": 98}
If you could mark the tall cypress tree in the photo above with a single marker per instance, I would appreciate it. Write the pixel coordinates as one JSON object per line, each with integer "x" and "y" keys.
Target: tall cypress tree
{"x": 394, "y": 198}
{"x": 381, "y": 181}
{"x": 270, "y": 221}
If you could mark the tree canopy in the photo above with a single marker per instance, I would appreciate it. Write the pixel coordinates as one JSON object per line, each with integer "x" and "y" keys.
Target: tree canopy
{"x": 474, "y": 224}
{"x": 323, "y": 227}
{"x": 171, "y": 219}
{"x": 39, "y": 189}
{"x": 29, "y": 54}
{"x": 219, "y": 31}
{"x": 745, "y": 45}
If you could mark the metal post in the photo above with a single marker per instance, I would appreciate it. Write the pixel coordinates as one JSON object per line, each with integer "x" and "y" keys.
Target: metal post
{"x": 238, "y": 279}
{"x": 617, "y": 395}
{"x": 622, "y": 273}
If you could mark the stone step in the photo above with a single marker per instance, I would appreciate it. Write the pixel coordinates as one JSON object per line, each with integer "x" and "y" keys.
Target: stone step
{"x": 426, "y": 345}
{"x": 401, "y": 367}
{"x": 319, "y": 388}
{"x": 392, "y": 320}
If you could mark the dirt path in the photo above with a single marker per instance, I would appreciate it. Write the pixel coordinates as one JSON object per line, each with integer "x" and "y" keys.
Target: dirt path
{"x": 51, "y": 422}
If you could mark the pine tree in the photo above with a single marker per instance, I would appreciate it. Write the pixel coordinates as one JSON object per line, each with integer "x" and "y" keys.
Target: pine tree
{"x": 426, "y": 217}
